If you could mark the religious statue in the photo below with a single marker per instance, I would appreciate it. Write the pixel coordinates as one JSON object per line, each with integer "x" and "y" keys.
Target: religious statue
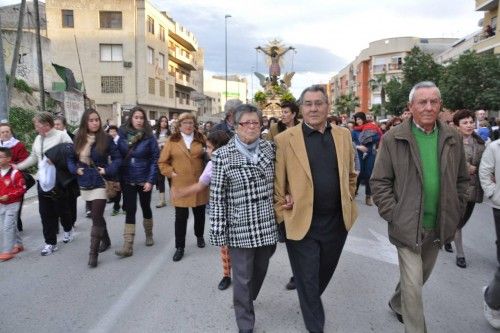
{"x": 275, "y": 52}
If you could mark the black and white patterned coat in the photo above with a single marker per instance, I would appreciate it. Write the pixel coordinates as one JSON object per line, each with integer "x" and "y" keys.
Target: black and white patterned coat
{"x": 241, "y": 198}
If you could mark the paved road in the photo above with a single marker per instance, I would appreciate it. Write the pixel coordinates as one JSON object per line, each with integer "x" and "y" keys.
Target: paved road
{"x": 150, "y": 293}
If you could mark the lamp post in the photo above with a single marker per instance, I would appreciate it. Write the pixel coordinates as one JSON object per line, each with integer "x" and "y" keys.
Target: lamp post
{"x": 225, "y": 47}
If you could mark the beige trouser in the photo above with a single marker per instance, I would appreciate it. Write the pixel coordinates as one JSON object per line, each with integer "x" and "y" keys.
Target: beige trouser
{"x": 415, "y": 269}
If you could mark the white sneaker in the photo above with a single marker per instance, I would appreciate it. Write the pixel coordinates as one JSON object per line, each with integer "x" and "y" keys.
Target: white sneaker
{"x": 492, "y": 316}
{"x": 68, "y": 236}
{"x": 49, "y": 249}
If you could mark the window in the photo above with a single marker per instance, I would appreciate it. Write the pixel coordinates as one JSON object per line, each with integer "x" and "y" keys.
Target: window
{"x": 151, "y": 86}
{"x": 170, "y": 91}
{"x": 152, "y": 115}
{"x": 110, "y": 20}
{"x": 151, "y": 25}
{"x": 162, "y": 88}
{"x": 162, "y": 33}
{"x": 67, "y": 18}
{"x": 151, "y": 55}
{"x": 161, "y": 60}
{"x": 111, "y": 52}
{"x": 111, "y": 84}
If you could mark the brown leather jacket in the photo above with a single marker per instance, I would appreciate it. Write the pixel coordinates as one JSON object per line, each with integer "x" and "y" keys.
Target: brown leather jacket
{"x": 396, "y": 185}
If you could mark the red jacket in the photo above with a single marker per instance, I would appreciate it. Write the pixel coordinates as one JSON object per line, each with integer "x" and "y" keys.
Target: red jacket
{"x": 19, "y": 153}
{"x": 12, "y": 185}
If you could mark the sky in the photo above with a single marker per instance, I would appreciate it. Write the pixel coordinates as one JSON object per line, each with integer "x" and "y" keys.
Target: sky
{"x": 327, "y": 34}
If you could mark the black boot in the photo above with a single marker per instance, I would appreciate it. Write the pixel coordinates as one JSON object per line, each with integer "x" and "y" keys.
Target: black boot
{"x": 105, "y": 241}
{"x": 95, "y": 239}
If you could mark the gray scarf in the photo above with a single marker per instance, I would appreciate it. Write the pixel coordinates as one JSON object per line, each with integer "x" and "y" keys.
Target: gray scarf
{"x": 250, "y": 151}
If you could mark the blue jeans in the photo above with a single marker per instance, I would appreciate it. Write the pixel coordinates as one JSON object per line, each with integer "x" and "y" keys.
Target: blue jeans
{"x": 11, "y": 236}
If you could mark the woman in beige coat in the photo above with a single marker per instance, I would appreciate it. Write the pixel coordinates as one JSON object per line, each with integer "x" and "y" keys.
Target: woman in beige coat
{"x": 182, "y": 161}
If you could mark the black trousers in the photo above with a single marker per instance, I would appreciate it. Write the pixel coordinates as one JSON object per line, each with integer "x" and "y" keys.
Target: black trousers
{"x": 116, "y": 200}
{"x": 160, "y": 183}
{"x": 130, "y": 193}
{"x": 314, "y": 260}
{"x": 49, "y": 209}
{"x": 67, "y": 210}
{"x": 181, "y": 217}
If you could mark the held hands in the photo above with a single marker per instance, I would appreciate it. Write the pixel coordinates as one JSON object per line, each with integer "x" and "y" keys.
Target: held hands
{"x": 472, "y": 170}
{"x": 79, "y": 171}
{"x": 4, "y": 198}
{"x": 288, "y": 202}
{"x": 102, "y": 171}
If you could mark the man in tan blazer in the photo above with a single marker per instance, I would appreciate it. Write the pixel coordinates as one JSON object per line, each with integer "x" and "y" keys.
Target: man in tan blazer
{"x": 314, "y": 190}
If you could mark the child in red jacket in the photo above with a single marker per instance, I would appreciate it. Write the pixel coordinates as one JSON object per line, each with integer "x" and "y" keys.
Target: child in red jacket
{"x": 12, "y": 189}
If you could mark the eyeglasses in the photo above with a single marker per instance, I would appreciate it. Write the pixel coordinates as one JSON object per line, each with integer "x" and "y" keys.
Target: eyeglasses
{"x": 318, "y": 104}
{"x": 249, "y": 123}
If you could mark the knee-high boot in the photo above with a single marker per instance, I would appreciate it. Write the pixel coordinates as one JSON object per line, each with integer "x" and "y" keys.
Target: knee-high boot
{"x": 105, "y": 241}
{"x": 148, "y": 229}
{"x": 95, "y": 238}
{"x": 128, "y": 241}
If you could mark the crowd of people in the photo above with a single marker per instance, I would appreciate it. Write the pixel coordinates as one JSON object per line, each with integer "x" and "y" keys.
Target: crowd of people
{"x": 267, "y": 181}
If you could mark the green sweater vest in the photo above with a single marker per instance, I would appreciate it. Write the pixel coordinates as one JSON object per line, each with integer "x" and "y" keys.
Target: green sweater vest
{"x": 428, "y": 148}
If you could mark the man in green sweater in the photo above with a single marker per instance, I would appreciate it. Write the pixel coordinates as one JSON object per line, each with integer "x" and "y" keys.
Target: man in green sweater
{"x": 419, "y": 184}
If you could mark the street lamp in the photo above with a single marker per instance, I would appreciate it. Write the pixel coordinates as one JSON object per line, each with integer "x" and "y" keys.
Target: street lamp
{"x": 225, "y": 46}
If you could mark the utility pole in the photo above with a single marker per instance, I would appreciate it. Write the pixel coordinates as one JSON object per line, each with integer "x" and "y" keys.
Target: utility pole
{"x": 39, "y": 56}
{"x": 3, "y": 83}
{"x": 225, "y": 48}
{"x": 15, "y": 56}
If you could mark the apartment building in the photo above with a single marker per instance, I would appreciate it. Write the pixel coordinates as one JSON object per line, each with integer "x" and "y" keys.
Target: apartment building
{"x": 126, "y": 53}
{"x": 489, "y": 39}
{"x": 383, "y": 57}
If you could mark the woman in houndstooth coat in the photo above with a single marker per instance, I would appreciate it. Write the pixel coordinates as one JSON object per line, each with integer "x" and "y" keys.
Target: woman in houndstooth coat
{"x": 241, "y": 209}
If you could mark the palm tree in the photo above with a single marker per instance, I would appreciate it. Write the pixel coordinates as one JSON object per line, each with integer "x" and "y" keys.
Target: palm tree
{"x": 379, "y": 82}
{"x": 347, "y": 104}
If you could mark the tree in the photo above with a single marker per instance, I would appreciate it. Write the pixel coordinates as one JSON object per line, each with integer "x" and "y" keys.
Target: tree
{"x": 472, "y": 82}
{"x": 379, "y": 82}
{"x": 397, "y": 94}
{"x": 346, "y": 104}
{"x": 419, "y": 66}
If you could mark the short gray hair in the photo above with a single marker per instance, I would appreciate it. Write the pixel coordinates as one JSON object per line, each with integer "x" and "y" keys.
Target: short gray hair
{"x": 245, "y": 108}
{"x": 314, "y": 88}
{"x": 231, "y": 106}
{"x": 420, "y": 85}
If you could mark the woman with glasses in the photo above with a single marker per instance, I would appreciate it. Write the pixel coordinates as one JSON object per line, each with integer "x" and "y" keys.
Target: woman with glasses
{"x": 182, "y": 161}
{"x": 241, "y": 209}
{"x": 474, "y": 146}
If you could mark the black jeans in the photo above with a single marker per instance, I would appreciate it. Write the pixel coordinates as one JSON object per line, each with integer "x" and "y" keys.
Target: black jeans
{"x": 181, "y": 217}
{"x": 49, "y": 209}
{"x": 130, "y": 193}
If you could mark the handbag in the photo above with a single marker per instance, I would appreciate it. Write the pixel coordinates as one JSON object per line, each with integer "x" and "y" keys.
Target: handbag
{"x": 112, "y": 188}
{"x": 29, "y": 181}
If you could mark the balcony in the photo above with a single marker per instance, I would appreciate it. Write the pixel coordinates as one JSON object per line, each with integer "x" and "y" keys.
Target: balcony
{"x": 483, "y": 43}
{"x": 379, "y": 68}
{"x": 182, "y": 60}
{"x": 184, "y": 37}
{"x": 486, "y": 5}
{"x": 185, "y": 104}
{"x": 395, "y": 67}
{"x": 185, "y": 83}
